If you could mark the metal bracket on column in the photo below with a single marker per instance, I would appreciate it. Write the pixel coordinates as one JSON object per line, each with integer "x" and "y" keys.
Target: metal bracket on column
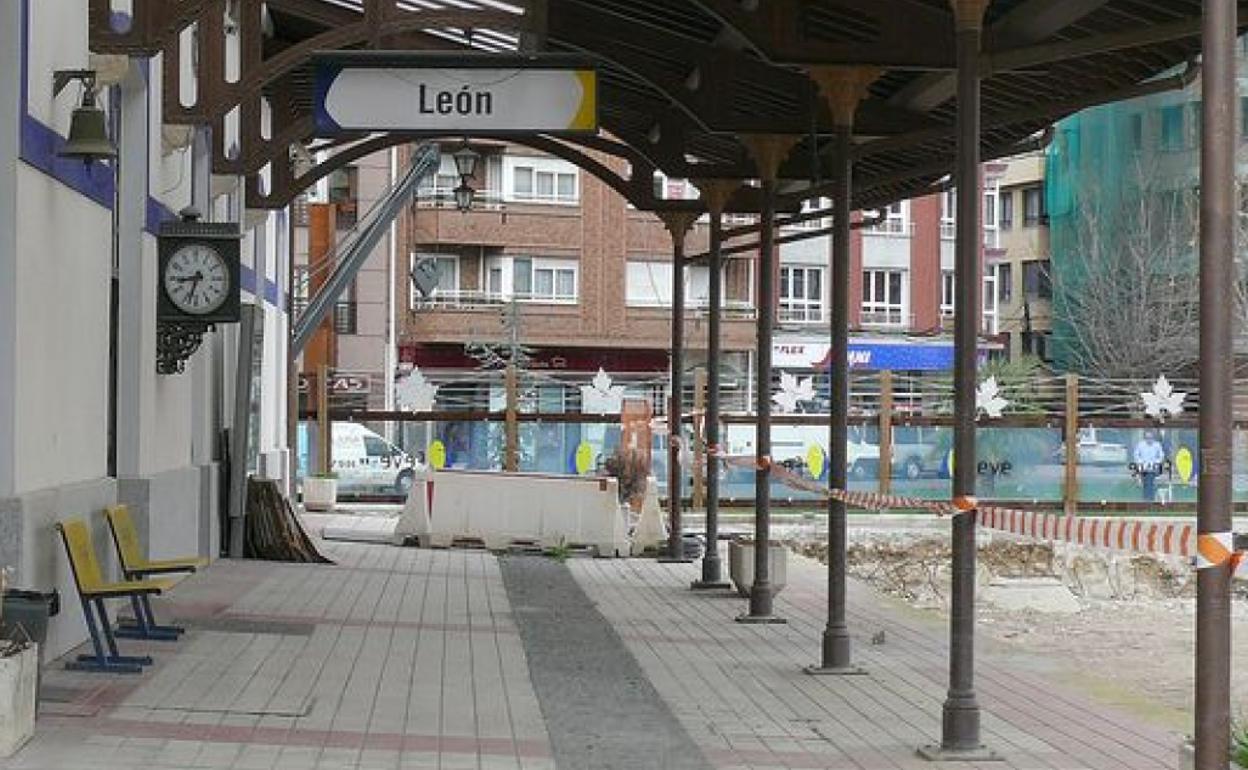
{"x": 176, "y": 343}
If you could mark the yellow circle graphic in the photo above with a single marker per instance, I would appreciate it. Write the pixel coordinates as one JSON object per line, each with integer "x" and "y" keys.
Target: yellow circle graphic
{"x": 584, "y": 458}
{"x": 437, "y": 454}
{"x": 1183, "y": 463}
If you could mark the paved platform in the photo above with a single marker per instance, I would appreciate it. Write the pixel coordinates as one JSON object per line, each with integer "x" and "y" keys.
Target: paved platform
{"x": 401, "y": 658}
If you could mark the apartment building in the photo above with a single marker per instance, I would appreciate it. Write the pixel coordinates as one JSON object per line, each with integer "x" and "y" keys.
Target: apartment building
{"x": 552, "y": 259}
{"x": 1021, "y": 265}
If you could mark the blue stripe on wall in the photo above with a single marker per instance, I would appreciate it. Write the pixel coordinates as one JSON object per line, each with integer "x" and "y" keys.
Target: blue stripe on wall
{"x": 96, "y": 180}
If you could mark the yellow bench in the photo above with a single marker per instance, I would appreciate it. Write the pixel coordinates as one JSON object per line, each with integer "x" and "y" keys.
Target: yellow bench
{"x": 136, "y": 566}
{"x": 93, "y": 589}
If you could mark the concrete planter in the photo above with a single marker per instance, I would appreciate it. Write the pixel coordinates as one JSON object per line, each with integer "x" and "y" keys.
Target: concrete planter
{"x": 18, "y": 677}
{"x": 1187, "y": 758}
{"x": 741, "y": 566}
{"x": 319, "y": 494}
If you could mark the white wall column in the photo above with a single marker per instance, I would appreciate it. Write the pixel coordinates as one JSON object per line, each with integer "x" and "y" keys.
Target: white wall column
{"x": 10, "y": 131}
{"x": 203, "y": 365}
{"x": 136, "y": 284}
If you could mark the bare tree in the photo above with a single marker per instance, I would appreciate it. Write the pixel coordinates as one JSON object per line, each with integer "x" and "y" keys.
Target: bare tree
{"x": 1128, "y": 295}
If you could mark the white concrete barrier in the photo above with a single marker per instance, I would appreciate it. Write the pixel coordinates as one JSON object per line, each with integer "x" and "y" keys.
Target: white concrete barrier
{"x": 501, "y": 509}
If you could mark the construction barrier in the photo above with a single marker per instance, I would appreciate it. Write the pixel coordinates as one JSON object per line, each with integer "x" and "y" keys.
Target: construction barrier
{"x": 501, "y": 510}
{"x": 1130, "y": 535}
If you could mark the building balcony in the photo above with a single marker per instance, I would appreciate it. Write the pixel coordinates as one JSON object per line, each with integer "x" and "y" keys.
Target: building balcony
{"x": 886, "y": 319}
{"x": 493, "y": 222}
{"x": 473, "y": 299}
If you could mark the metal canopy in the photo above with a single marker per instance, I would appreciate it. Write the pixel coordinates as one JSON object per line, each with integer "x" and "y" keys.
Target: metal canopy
{"x": 681, "y": 82}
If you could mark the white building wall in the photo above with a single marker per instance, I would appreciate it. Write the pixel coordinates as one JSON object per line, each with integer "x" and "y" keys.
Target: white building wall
{"x": 56, "y": 258}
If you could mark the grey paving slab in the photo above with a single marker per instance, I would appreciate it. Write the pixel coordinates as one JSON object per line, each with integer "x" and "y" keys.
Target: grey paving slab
{"x": 601, "y": 710}
{"x": 740, "y": 692}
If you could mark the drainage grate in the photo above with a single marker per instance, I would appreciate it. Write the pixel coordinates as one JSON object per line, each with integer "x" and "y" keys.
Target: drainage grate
{"x": 237, "y": 625}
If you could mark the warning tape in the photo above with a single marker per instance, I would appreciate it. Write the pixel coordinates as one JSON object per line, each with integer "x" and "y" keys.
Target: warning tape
{"x": 1130, "y": 535}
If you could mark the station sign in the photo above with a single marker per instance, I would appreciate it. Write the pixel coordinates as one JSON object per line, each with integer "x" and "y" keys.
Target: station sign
{"x": 383, "y": 91}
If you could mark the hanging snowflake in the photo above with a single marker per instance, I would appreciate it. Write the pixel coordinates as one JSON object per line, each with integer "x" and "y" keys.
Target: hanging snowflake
{"x": 793, "y": 391}
{"x": 988, "y": 399}
{"x": 600, "y": 396}
{"x": 414, "y": 393}
{"x": 1164, "y": 401}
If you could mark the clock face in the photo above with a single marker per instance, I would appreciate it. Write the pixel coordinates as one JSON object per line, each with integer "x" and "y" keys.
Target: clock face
{"x": 197, "y": 279}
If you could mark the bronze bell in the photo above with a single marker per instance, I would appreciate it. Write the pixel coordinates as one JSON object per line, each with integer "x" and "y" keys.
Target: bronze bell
{"x": 88, "y": 135}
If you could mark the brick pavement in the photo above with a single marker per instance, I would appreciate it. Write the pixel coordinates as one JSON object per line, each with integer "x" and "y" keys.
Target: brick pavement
{"x": 401, "y": 658}
{"x": 395, "y": 658}
{"x": 740, "y": 693}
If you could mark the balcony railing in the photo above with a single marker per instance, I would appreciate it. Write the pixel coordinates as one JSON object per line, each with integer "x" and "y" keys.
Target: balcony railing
{"x": 889, "y": 319}
{"x": 900, "y": 227}
{"x": 444, "y": 198}
{"x": 799, "y": 314}
{"x": 473, "y": 299}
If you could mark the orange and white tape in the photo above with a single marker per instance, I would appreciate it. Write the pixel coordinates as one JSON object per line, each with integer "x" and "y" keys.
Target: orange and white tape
{"x": 1130, "y": 535}
{"x": 1214, "y": 549}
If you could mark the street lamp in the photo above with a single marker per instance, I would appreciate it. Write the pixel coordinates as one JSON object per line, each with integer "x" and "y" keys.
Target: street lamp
{"x": 463, "y": 196}
{"x": 465, "y": 162}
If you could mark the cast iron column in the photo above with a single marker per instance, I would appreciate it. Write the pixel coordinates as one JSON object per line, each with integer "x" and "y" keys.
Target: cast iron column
{"x": 712, "y": 573}
{"x": 769, "y": 151}
{"x": 1217, "y": 276}
{"x": 836, "y": 653}
{"x": 960, "y": 720}
{"x": 678, "y": 225}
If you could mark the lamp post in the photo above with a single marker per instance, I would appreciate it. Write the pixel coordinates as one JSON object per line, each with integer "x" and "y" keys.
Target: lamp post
{"x": 466, "y": 166}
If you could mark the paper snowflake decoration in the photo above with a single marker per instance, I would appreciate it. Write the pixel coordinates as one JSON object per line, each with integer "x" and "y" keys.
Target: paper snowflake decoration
{"x": 1164, "y": 401}
{"x": 988, "y": 398}
{"x": 600, "y": 396}
{"x": 793, "y": 391}
{"x": 414, "y": 393}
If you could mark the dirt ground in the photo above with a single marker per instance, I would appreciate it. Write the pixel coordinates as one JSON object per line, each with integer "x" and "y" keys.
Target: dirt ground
{"x": 1129, "y": 639}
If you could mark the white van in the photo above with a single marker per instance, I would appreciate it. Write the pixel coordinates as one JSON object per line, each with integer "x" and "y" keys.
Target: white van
{"x": 363, "y": 459}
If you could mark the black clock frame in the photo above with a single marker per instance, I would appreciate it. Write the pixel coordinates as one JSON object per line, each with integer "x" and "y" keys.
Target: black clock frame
{"x": 179, "y": 333}
{"x": 223, "y": 238}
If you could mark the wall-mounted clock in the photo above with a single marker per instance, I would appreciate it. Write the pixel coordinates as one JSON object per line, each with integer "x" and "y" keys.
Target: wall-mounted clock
{"x": 198, "y": 271}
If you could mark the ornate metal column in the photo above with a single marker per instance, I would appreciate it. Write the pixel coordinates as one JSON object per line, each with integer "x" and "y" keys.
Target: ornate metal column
{"x": 843, "y": 88}
{"x": 959, "y": 738}
{"x": 1217, "y": 277}
{"x": 716, "y": 194}
{"x": 768, "y": 153}
{"x": 678, "y": 224}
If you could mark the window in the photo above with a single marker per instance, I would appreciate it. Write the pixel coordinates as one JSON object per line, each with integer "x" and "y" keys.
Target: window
{"x": 1172, "y": 128}
{"x": 447, "y": 287}
{"x": 531, "y": 280}
{"x": 1033, "y": 206}
{"x": 801, "y": 294}
{"x": 345, "y": 316}
{"x": 1037, "y": 344}
{"x": 883, "y": 297}
{"x": 1243, "y": 118}
{"x": 896, "y": 219}
{"x": 1006, "y": 220}
{"x": 344, "y": 186}
{"x": 542, "y": 179}
{"x": 649, "y": 284}
{"x": 1005, "y": 282}
{"x": 948, "y": 214}
{"x": 1036, "y": 284}
{"x": 444, "y": 182}
{"x": 990, "y": 208}
{"x": 946, "y": 294}
{"x": 540, "y": 280}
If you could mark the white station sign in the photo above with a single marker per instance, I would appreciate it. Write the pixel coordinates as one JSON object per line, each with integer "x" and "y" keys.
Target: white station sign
{"x": 487, "y": 94}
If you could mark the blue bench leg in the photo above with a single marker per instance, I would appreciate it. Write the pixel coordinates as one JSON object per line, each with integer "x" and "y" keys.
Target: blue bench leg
{"x": 143, "y": 626}
{"x": 99, "y": 661}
